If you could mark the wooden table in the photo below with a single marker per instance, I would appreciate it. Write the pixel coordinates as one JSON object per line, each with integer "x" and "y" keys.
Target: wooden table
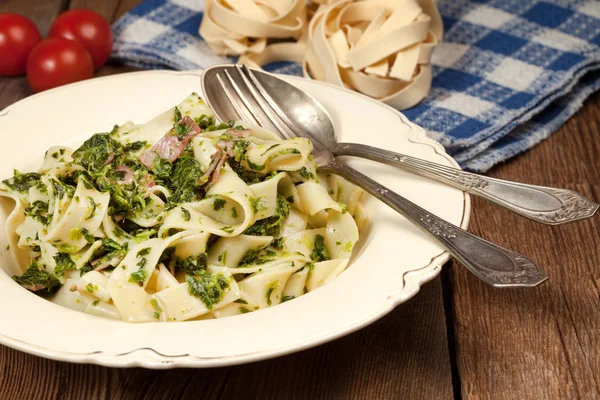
{"x": 457, "y": 339}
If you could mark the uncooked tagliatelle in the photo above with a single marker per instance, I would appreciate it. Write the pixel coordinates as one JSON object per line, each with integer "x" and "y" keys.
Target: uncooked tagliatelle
{"x": 180, "y": 218}
{"x": 236, "y": 27}
{"x": 381, "y": 48}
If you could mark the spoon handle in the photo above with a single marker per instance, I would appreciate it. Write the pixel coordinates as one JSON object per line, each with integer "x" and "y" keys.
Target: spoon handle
{"x": 542, "y": 204}
{"x": 489, "y": 262}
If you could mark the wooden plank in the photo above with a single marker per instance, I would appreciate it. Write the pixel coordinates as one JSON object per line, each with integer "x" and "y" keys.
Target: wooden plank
{"x": 543, "y": 342}
{"x": 124, "y": 6}
{"x": 109, "y": 9}
{"x": 106, "y": 8}
{"x": 13, "y": 89}
{"x": 42, "y": 12}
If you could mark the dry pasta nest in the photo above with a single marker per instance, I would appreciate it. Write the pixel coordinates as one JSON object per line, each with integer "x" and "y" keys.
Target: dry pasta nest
{"x": 381, "y": 48}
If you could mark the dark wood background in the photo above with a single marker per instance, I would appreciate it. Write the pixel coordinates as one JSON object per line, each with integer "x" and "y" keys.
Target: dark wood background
{"x": 458, "y": 338}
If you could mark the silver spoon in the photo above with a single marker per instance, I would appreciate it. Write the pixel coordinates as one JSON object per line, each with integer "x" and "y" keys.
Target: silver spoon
{"x": 236, "y": 94}
{"x": 297, "y": 108}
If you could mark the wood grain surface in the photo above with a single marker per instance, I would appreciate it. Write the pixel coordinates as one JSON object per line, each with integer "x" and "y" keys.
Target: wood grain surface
{"x": 458, "y": 338}
{"x": 544, "y": 342}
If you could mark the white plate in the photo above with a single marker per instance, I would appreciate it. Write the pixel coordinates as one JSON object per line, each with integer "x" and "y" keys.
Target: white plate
{"x": 394, "y": 258}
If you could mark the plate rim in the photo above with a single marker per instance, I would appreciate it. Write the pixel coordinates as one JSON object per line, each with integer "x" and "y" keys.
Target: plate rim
{"x": 149, "y": 358}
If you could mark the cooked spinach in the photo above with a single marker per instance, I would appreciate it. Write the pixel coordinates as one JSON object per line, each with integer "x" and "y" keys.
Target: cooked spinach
{"x": 207, "y": 287}
{"x": 22, "y": 182}
{"x": 194, "y": 265}
{"x": 38, "y": 280}
{"x": 319, "y": 252}
{"x": 96, "y": 152}
{"x": 271, "y": 226}
{"x": 63, "y": 263}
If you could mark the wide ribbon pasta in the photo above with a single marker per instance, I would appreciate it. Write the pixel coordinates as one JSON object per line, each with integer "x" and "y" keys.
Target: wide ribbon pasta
{"x": 381, "y": 48}
{"x": 233, "y": 221}
{"x": 235, "y": 27}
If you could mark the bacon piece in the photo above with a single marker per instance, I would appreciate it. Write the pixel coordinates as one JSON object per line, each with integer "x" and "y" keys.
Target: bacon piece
{"x": 129, "y": 176}
{"x": 102, "y": 267}
{"x": 111, "y": 156}
{"x": 148, "y": 180}
{"x": 215, "y": 158}
{"x": 226, "y": 146}
{"x": 113, "y": 262}
{"x": 170, "y": 146}
{"x": 237, "y": 132}
{"x": 34, "y": 288}
{"x": 147, "y": 158}
{"x": 225, "y": 150}
{"x": 217, "y": 174}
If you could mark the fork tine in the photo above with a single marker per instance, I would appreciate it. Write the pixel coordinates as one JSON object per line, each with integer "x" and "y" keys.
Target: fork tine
{"x": 242, "y": 101}
{"x": 271, "y": 104}
{"x": 281, "y": 126}
{"x": 268, "y": 102}
{"x": 240, "y": 108}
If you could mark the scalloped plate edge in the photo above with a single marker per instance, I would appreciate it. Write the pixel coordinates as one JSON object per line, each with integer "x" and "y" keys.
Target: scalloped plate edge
{"x": 150, "y": 358}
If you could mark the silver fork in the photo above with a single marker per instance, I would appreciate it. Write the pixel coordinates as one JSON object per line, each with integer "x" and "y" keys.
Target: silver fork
{"x": 489, "y": 262}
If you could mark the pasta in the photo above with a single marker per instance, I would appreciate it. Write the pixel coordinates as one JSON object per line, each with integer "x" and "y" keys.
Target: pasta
{"x": 381, "y": 48}
{"x": 180, "y": 218}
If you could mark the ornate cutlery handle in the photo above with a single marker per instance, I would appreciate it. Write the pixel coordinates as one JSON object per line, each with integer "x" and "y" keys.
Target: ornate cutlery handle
{"x": 489, "y": 262}
{"x": 542, "y": 204}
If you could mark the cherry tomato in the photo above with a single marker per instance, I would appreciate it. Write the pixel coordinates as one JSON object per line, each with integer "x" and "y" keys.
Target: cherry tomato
{"x": 18, "y": 35}
{"x": 87, "y": 27}
{"x": 54, "y": 62}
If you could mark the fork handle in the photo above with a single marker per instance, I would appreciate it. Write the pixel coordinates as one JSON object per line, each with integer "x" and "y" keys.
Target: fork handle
{"x": 489, "y": 262}
{"x": 542, "y": 204}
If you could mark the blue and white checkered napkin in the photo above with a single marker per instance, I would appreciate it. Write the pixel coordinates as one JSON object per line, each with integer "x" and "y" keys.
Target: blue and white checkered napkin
{"x": 508, "y": 74}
